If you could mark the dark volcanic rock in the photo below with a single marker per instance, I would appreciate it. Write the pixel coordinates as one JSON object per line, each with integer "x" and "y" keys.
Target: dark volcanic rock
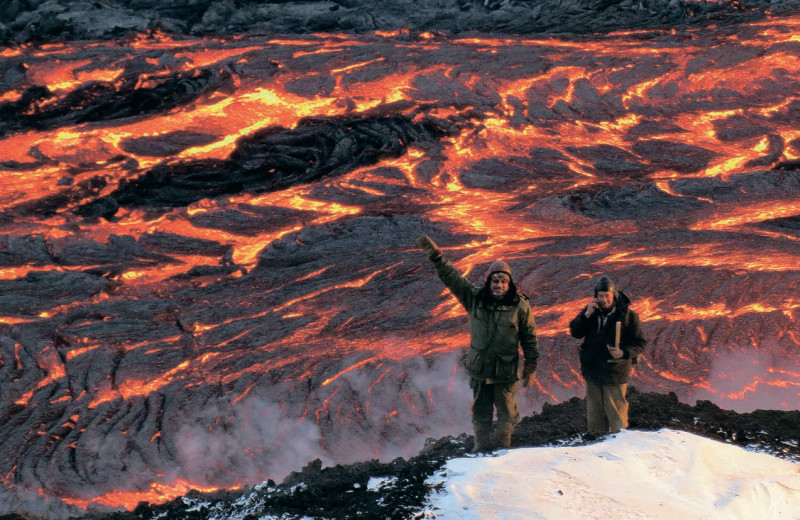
{"x": 758, "y": 184}
{"x": 788, "y": 225}
{"x": 170, "y": 243}
{"x": 610, "y": 160}
{"x": 650, "y": 205}
{"x": 649, "y": 127}
{"x": 276, "y": 158}
{"x": 79, "y": 19}
{"x": 38, "y": 291}
{"x": 251, "y": 220}
{"x": 22, "y": 250}
{"x": 51, "y": 204}
{"x": 740, "y": 128}
{"x": 494, "y": 174}
{"x": 633, "y": 202}
{"x": 680, "y": 157}
{"x": 166, "y": 145}
{"x": 104, "y": 101}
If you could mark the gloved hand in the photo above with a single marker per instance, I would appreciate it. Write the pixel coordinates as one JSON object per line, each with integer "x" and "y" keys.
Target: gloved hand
{"x": 528, "y": 375}
{"x": 429, "y": 247}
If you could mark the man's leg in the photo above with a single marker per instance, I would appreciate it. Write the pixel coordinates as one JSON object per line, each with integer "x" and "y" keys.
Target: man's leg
{"x": 482, "y": 410}
{"x": 615, "y": 406}
{"x": 596, "y": 421}
{"x": 507, "y": 412}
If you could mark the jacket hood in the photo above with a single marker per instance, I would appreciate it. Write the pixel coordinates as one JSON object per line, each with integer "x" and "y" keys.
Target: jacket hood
{"x": 499, "y": 266}
{"x": 622, "y": 301}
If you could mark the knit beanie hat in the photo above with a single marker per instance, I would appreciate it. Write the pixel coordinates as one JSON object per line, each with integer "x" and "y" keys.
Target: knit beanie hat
{"x": 499, "y": 266}
{"x": 605, "y": 284}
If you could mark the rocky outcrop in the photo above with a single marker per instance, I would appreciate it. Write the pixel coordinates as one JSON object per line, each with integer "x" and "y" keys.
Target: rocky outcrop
{"x": 23, "y": 21}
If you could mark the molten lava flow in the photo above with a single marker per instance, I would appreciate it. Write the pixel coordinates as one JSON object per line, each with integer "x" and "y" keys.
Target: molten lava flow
{"x": 157, "y": 493}
{"x": 208, "y": 338}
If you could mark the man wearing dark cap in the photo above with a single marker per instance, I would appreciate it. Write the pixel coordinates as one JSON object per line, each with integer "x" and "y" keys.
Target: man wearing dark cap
{"x": 500, "y": 320}
{"x": 612, "y": 341}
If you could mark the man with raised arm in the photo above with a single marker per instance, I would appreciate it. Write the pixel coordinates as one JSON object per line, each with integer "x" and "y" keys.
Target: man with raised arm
{"x": 500, "y": 321}
{"x": 612, "y": 341}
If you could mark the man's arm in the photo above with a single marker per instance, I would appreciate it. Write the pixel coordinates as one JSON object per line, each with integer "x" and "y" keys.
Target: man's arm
{"x": 530, "y": 346}
{"x": 636, "y": 342}
{"x": 429, "y": 247}
{"x": 461, "y": 288}
{"x": 579, "y": 325}
{"x": 527, "y": 336}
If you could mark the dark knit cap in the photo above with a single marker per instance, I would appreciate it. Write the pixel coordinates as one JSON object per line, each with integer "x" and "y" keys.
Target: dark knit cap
{"x": 605, "y": 284}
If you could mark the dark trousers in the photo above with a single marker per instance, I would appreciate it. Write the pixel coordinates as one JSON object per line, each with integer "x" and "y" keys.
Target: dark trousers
{"x": 488, "y": 397}
{"x": 606, "y": 408}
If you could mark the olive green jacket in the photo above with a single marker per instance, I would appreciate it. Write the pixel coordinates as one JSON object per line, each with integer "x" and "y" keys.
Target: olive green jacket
{"x": 496, "y": 328}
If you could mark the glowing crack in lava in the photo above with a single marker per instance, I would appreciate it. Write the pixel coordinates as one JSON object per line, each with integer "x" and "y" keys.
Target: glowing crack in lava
{"x": 208, "y": 274}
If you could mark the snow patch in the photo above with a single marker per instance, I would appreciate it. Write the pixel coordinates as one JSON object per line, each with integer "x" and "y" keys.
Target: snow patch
{"x": 651, "y": 475}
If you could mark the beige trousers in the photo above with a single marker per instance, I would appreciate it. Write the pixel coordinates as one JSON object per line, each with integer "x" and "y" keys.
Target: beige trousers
{"x": 488, "y": 397}
{"x": 606, "y": 408}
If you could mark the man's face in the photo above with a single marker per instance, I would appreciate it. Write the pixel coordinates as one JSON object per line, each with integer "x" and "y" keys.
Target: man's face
{"x": 499, "y": 283}
{"x": 605, "y": 299}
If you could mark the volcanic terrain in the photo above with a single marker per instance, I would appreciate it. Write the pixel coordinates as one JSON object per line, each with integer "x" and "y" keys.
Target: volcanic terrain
{"x": 208, "y": 268}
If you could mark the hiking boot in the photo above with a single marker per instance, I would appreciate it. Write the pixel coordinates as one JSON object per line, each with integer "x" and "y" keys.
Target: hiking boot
{"x": 483, "y": 442}
{"x": 502, "y": 439}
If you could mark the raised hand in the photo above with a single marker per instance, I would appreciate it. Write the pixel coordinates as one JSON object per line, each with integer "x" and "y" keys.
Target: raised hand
{"x": 429, "y": 247}
{"x": 593, "y": 306}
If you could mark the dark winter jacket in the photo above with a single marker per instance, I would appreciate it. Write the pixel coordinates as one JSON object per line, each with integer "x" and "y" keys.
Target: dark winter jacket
{"x": 497, "y": 328}
{"x": 594, "y": 355}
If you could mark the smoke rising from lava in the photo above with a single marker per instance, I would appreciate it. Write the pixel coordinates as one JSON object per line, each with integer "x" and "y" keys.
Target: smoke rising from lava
{"x": 251, "y": 442}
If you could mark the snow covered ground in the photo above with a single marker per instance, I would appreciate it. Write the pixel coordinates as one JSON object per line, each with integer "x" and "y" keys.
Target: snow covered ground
{"x": 653, "y": 475}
